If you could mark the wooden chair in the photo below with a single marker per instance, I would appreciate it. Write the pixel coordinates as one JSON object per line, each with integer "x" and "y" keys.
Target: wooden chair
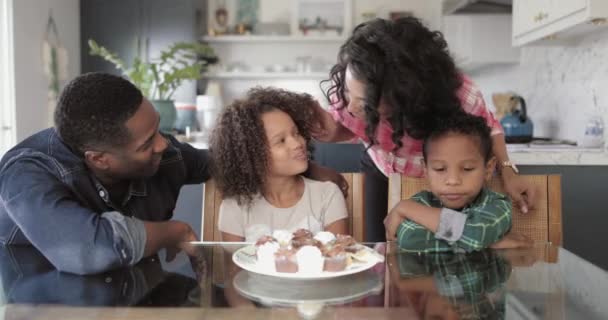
{"x": 544, "y": 223}
{"x": 212, "y": 199}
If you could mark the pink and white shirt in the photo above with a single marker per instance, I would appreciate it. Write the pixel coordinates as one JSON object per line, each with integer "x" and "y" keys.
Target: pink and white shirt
{"x": 407, "y": 159}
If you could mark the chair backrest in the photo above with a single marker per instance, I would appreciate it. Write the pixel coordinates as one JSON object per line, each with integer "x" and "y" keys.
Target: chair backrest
{"x": 544, "y": 223}
{"x": 354, "y": 201}
{"x": 212, "y": 198}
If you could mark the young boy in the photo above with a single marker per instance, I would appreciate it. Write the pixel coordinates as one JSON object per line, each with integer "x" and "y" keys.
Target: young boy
{"x": 458, "y": 213}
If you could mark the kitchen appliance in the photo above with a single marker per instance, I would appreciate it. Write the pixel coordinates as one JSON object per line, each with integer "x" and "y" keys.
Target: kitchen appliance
{"x": 518, "y": 127}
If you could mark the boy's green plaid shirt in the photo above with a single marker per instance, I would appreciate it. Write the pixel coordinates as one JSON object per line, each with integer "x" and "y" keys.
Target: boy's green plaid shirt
{"x": 488, "y": 219}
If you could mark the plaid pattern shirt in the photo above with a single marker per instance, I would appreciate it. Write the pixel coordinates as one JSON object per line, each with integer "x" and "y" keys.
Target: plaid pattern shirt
{"x": 473, "y": 283}
{"x": 407, "y": 159}
{"x": 488, "y": 219}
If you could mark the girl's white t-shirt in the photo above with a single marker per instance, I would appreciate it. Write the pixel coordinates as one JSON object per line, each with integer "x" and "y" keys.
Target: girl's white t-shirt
{"x": 321, "y": 204}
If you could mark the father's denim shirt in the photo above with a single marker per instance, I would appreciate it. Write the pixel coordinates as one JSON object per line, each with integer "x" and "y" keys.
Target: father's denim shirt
{"x": 49, "y": 199}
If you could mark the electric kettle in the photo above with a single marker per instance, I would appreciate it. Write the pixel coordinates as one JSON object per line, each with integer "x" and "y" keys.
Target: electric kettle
{"x": 517, "y": 125}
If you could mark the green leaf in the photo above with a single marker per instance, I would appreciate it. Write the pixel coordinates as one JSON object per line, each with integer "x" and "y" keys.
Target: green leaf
{"x": 159, "y": 78}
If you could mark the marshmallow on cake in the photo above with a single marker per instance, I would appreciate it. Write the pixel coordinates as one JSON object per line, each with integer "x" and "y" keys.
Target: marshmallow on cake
{"x": 325, "y": 237}
{"x": 310, "y": 260}
{"x": 267, "y": 246}
{"x": 283, "y": 237}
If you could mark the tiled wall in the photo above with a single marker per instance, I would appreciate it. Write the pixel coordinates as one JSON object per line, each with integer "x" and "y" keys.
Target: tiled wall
{"x": 562, "y": 85}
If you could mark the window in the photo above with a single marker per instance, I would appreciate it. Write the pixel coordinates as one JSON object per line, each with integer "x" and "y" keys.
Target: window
{"x": 7, "y": 78}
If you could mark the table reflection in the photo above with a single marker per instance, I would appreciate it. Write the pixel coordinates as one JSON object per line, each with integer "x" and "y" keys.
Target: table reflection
{"x": 543, "y": 282}
{"x": 450, "y": 286}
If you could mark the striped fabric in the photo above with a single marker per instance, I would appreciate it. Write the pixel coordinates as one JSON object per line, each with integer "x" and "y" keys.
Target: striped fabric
{"x": 488, "y": 219}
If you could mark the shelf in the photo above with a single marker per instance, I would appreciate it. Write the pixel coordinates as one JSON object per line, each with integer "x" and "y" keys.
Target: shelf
{"x": 269, "y": 75}
{"x": 258, "y": 38}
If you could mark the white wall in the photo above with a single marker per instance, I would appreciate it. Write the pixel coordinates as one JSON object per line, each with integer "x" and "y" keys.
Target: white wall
{"x": 30, "y": 19}
{"x": 562, "y": 85}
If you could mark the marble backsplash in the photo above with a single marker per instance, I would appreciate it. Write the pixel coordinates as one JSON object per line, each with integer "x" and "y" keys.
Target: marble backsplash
{"x": 563, "y": 85}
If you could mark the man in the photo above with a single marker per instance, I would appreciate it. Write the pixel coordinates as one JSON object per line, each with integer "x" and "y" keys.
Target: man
{"x": 97, "y": 191}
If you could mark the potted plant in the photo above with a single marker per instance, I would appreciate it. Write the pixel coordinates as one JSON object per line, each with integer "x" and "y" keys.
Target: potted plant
{"x": 159, "y": 79}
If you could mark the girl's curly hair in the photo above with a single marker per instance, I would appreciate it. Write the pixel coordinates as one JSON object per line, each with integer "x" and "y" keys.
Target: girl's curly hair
{"x": 238, "y": 143}
{"x": 408, "y": 66}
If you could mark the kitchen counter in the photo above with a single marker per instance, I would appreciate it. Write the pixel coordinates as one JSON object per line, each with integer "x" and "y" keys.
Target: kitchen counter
{"x": 536, "y": 155}
{"x": 560, "y": 155}
{"x": 200, "y": 144}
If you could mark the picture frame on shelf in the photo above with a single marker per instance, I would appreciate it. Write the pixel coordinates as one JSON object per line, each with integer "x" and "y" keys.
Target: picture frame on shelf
{"x": 322, "y": 18}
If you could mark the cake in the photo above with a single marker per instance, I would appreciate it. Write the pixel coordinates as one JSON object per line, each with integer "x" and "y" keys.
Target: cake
{"x": 347, "y": 242}
{"x": 335, "y": 259}
{"x": 303, "y": 252}
{"x": 285, "y": 260}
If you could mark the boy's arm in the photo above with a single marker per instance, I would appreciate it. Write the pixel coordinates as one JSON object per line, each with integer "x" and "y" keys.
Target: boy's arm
{"x": 486, "y": 223}
{"x": 411, "y": 235}
{"x": 481, "y": 227}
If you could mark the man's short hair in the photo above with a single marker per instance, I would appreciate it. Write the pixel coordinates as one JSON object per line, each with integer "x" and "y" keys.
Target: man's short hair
{"x": 93, "y": 109}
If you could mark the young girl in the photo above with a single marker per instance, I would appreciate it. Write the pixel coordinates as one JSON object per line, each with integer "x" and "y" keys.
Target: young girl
{"x": 261, "y": 146}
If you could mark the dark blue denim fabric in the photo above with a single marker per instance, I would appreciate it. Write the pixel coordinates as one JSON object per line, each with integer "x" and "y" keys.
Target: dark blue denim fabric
{"x": 49, "y": 199}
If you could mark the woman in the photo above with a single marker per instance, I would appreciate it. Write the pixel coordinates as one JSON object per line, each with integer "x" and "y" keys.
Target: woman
{"x": 393, "y": 80}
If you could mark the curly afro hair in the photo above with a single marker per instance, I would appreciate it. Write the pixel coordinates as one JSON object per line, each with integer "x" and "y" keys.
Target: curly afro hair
{"x": 405, "y": 64}
{"x": 238, "y": 143}
{"x": 93, "y": 109}
{"x": 466, "y": 124}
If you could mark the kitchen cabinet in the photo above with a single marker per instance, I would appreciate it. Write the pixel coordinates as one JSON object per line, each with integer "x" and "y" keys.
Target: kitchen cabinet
{"x": 556, "y": 21}
{"x": 141, "y": 28}
{"x": 477, "y": 40}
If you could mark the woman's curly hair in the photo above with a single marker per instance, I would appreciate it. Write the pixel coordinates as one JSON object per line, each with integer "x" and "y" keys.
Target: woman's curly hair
{"x": 405, "y": 64}
{"x": 238, "y": 143}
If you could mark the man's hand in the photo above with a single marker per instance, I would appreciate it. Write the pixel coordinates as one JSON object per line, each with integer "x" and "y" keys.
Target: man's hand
{"x": 522, "y": 193}
{"x": 393, "y": 220}
{"x": 185, "y": 235}
{"x": 320, "y": 173}
{"x": 513, "y": 241}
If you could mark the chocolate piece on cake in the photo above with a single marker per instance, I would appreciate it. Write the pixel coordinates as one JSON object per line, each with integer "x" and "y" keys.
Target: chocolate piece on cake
{"x": 300, "y": 242}
{"x": 345, "y": 240}
{"x": 265, "y": 239}
{"x": 302, "y": 233}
